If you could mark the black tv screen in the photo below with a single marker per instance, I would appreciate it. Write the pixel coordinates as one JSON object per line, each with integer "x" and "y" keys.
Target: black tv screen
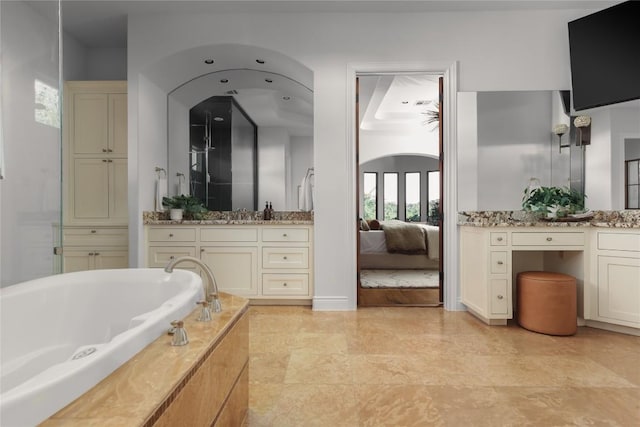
{"x": 605, "y": 56}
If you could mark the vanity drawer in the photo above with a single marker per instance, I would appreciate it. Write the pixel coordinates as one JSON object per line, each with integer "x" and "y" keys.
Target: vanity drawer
{"x": 619, "y": 241}
{"x": 95, "y": 236}
{"x": 547, "y": 239}
{"x": 285, "y": 235}
{"x": 229, "y": 234}
{"x": 285, "y": 257}
{"x": 285, "y": 284}
{"x": 159, "y": 256}
{"x": 499, "y": 303}
{"x": 172, "y": 234}
{"x": 498, "y": 262}
{"x": 498, "y": 239}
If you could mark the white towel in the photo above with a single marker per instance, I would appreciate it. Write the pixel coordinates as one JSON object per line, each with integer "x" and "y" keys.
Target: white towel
{"x": 161, "y": 191}
{"x": 305, "y": 194}
{"x": 183, "y": 190}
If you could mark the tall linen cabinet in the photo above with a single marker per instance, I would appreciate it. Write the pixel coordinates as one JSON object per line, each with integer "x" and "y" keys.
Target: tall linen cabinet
{"x": 95, "y": 212}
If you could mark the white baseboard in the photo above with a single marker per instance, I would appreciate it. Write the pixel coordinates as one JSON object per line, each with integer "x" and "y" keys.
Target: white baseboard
{"x": 332, "y": 304}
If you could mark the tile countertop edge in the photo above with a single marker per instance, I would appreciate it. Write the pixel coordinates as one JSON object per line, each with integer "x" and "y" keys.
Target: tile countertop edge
{"x": 90, "y": 407}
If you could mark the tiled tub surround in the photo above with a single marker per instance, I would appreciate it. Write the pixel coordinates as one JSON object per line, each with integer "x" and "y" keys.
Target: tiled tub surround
{"x": 232, "y": 217}
{"x": 200, "y": 384}
{"x": 603, "y": 254}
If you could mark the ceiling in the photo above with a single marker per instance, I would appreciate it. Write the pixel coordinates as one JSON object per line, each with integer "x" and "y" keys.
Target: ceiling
{"x": 388, "y": 102}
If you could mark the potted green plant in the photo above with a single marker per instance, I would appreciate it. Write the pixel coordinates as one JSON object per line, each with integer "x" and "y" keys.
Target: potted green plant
{"x": 553, "y": 202}
{"x": 191, "y": 206}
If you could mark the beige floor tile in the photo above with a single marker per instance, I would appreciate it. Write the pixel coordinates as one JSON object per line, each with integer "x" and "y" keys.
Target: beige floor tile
{"x": 312, "y": 368}
{"x": 387, "y": 369}
{"x": 269, "y": 368}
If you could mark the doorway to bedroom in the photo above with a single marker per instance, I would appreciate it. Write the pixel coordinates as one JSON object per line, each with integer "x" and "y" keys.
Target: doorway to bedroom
{"x": 398, "y": 153}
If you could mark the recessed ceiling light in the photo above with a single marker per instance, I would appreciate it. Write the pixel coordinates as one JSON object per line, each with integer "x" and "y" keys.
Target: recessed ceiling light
{"x": 218, "y": 119}
{"x": 208, "y": 61}
{"x": 286, "y": 98}
{"x": 268, "y": 80}
{"x": 224, "y": 80}
{"x": 405, "y": 102}
{"x": 260, "y": 61}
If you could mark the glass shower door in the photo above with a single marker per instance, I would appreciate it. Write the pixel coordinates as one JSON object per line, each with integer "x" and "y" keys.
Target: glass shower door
{"x": 30, "y": 140}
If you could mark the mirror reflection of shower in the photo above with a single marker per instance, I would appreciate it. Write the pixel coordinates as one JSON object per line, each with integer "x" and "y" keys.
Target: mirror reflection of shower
{"x": 222, "y": 154}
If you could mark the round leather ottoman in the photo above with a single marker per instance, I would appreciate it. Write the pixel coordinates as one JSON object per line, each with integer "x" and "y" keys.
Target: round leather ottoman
{"x": 547, "y": 302}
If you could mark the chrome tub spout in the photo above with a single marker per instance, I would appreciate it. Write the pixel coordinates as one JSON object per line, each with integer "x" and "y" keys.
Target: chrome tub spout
{"x": 210, "y": 290}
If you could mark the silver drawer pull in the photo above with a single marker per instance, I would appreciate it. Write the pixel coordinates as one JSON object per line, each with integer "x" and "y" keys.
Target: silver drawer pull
{"x": 284, "y": 235}
{"x": 172, "y": 257}
{"x": 499, "y": 239}
{"x": 104, "y": 150}
{"x": 500, "y": 262}
{"x": 500, "y": 297}
{"x": 170, "y": 235}
{"x": 97, "y": 253}
{"x": 93, "y": 231}
{"x": 549, "y": 239}
{"x": 284, "y": 257}
{"x": 284, "y": 284}
{"x": 91, "y": 254}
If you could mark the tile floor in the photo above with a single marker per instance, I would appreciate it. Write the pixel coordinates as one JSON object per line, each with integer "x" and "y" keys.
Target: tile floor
{"x": 429, "y": 367}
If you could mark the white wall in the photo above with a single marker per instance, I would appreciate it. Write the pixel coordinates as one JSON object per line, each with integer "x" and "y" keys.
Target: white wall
{"x": 467, "y": 151}
{"x": 106, "y": 64}
{"x": 489, "y": 48}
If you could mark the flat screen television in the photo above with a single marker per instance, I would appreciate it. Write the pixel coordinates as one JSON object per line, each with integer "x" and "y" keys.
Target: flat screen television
{"x": 605, "y": 56}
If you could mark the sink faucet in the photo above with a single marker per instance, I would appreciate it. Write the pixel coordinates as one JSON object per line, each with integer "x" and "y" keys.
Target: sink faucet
{"x": 210, "y": 290}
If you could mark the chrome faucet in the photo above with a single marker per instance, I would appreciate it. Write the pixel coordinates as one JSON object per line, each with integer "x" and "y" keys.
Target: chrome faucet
{"x": 210, "y": 290}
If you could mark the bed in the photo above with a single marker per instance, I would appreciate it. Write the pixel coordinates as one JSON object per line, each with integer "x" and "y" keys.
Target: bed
{"x": 399, "y": 246}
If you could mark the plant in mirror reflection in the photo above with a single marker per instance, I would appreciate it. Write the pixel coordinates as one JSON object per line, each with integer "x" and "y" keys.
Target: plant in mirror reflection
{"x": 549, "y": 200}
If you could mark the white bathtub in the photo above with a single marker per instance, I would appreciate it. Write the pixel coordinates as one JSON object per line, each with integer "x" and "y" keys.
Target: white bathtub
{"x": 62, "y": 334}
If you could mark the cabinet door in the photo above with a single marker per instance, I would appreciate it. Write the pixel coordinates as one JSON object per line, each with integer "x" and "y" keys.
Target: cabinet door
{"x": 90, "y": 123}
{"x": 110, "y": 259}
{"x": 118, "y": 189}
{"x": 235, "y": 268}
{"x": 77, "y": 260}
{"x": 118, "y": 123}
{"x": 499, "y": 301}
{"x": 619, "y": 289}
{"x": 90, "y": 191}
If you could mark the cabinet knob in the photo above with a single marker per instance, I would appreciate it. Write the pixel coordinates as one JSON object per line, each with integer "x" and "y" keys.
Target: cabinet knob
{"x": 104, "y": 160}
{"x": 93, "y": 231}
{"x": 549, "y": 239}
{"x": 284, "y": 284}
{"x": 284, "y": 257}
{"x": 499, "y": 239}
{"x": 500, "y": 297}
{"x": 500, "y": 262}
{"x": 172, "y": 257}
{"x": 96, "y": 254}
{"x": 170, "y": 234}
{"x": 201, "y": 249}
{"x": 284, "y": 234}
{"x": 104, "y": 150}
{"x": 109, "y": 150}
{"x": 91, "y": 254}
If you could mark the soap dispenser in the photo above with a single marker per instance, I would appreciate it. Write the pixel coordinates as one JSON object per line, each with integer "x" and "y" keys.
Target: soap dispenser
{"x": 266, "y": 214}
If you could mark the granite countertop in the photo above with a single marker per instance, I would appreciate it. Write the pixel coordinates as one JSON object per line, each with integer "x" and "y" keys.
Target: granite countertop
{"x": 610, "y": 219}
{"x": 232, "y": 218}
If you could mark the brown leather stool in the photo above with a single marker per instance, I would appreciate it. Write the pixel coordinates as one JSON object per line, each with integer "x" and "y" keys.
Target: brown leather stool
{"x": 547, "y": 302}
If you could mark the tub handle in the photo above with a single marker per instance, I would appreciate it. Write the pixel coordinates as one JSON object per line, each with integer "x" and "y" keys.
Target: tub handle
{"x": 205, "y": 313}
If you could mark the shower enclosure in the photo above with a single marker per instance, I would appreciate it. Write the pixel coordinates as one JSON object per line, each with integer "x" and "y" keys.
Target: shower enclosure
{"x": 30, "y": 140}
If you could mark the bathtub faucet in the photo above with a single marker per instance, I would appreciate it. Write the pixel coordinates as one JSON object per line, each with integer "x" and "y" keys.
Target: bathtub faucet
{"x": 210, "y": 290}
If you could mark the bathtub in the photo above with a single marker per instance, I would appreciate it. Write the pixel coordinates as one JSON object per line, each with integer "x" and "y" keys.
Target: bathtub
{"x": 63, "y": 334}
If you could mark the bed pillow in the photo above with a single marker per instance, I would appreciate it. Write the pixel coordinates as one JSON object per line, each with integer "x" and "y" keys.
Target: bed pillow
{"x": 363, "y": 225}
{"x": 374, "y": 224}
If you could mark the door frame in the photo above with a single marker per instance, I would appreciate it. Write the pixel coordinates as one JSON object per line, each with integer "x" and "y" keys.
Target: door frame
{"x": 449, "y": 70}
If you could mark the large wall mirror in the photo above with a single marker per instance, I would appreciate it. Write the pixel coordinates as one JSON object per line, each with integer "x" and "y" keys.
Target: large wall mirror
{"x": 240, "y": 137}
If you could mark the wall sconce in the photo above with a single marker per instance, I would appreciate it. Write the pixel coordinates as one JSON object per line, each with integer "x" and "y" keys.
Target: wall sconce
{"x": 583, "y": 130}
{"x": 560, "y": 130}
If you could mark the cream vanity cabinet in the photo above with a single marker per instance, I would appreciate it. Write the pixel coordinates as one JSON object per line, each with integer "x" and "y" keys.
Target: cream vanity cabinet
{"x": 93, "y": 248}
{"x": 95, "y": 136}
{"x": 614, "y": 294}
{"x": 261, "y": 262}
{"x": 488, "y": 270}
{"x": 95, "y": 173}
